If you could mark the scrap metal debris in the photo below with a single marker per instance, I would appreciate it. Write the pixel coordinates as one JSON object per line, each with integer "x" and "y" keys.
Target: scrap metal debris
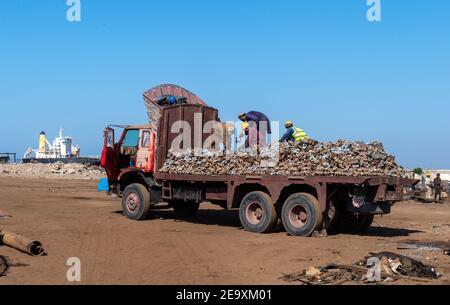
{"x": 341, "y": 158}
{"x": 418, "y": 247}
{"x": 405, "y": 266}
{"x": 6, "y": 264}
{"x": 379, "y": 267}
{"x": 424, "y": 245}
{"x": 4, "y": 214}
{"x": 21, "y": 243}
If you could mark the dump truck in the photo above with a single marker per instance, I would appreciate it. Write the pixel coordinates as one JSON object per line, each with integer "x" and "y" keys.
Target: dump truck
{"x": 301, "y": 204}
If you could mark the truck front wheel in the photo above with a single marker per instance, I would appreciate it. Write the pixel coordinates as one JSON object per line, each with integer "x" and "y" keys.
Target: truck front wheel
{"x": 301, "y": 214}
{"x": 257, "y": 213}
{"x": 136, "y": 201}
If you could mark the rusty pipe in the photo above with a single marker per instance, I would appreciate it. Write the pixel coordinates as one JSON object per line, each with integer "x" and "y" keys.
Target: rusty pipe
{"x": 21, "y": 243}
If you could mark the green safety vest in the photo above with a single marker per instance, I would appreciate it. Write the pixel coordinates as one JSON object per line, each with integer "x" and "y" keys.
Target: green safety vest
{"x": 299, "y": 135}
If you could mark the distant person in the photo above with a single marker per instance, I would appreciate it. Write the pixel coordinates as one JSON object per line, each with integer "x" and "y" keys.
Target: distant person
{"x": 293, "y": 134}
{"x": 423, "y": 181}
{"x": 437, "y": 184}
{"x": 429, "y": 187}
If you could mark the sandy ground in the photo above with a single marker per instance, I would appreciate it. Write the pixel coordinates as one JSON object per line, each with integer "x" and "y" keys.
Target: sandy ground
{"x": 73, "y": 220}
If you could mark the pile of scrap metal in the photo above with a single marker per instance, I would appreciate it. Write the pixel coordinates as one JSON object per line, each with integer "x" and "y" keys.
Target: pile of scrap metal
{"x": 341, "y": 158}
{"x": 378, "y": 267}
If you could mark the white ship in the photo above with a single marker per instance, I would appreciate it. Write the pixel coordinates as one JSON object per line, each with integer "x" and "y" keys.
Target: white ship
{"x": 61, "y": 150}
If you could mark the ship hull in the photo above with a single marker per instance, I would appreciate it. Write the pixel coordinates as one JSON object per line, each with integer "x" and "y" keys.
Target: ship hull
{"x": 80, "y": 160}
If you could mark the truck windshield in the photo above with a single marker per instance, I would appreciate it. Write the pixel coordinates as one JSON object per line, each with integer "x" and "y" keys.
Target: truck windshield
{"x": 131, "y": 138}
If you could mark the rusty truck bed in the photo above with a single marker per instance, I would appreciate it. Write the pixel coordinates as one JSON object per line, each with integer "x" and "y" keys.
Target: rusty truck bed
{"x": 371, "y": 180}
{"x": 389, "y": 189}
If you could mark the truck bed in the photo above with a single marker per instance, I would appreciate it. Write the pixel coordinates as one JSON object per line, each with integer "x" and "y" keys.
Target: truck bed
{"x": 388, "y": 189}
{"x": 370, "y": 180}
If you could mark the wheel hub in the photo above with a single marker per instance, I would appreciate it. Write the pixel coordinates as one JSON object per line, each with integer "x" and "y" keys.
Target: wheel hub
{"x": 132, "y": 202}
{"x": 298, "y": 216}
{"x": 254, "y": 213}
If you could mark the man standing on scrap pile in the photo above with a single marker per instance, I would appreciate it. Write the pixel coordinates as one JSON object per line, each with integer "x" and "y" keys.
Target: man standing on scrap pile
{"x": 293, "y": 133}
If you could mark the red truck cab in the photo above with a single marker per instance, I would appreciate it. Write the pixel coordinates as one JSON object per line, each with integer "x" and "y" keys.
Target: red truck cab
{"x": 134, "y": 152}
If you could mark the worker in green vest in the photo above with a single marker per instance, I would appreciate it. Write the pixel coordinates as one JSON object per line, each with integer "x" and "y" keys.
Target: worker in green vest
{"x": 293, "y": 134}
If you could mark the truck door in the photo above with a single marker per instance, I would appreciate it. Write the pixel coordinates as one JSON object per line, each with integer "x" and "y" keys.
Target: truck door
{"x": 145, "y": 154}
{"x": 108, "y": 153}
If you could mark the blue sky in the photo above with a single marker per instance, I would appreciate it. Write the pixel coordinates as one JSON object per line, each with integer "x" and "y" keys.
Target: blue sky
{"x": 317, "y": 62}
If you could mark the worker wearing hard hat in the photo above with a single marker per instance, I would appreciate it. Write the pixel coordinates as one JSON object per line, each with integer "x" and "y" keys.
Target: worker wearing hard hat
{"x": 293, "y": 134}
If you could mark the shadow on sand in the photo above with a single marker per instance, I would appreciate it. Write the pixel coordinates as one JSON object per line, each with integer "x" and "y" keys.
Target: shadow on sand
{"x": 230, "y": 218}
{"x": 227, "y": 218}
{"x": 389, "y": 232}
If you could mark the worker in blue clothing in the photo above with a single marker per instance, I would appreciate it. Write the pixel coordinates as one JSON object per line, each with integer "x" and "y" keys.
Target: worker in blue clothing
{"x": 293, "y": 134}
{"x": 261, "y": 120}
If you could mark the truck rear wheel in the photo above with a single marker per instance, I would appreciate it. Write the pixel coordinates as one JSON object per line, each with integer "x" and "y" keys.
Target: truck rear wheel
{"x": 185, "y": 208}
{"x": 136, "y": 202}
{"x": 301, "y": 214}
{"x": 257, "y": 213}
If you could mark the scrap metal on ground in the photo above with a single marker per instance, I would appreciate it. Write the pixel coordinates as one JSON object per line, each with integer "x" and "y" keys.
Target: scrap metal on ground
{"x": 378, "y": 267}
{"x": 4, "y": 214}
{"x": 4, "y": 266}
{"x": 21, "y": 243}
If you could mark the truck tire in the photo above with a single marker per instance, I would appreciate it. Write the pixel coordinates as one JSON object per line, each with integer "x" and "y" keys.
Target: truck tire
{"x": 301, "y": 214}
{"x": 185, "y": 208}
{"x": 257, "y": 213}
{"x": 136, "y": 202}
